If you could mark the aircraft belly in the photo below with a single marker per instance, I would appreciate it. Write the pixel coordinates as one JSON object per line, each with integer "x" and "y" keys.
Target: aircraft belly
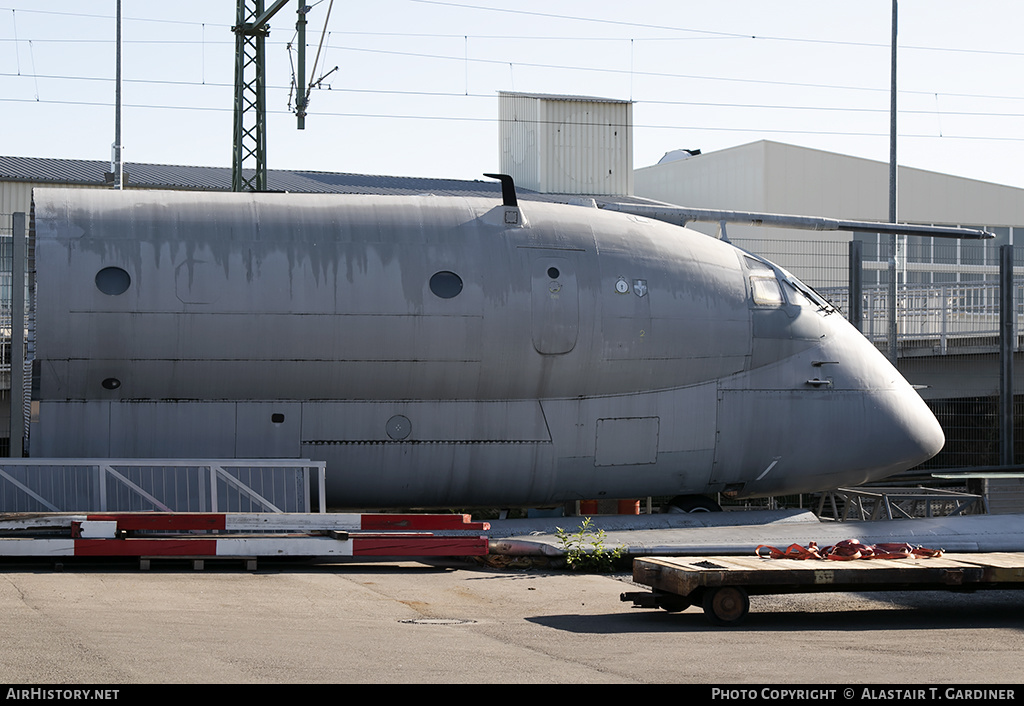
{"x": 186, "y": 429}
{"x": 514, "y": 453}
{"x": 71, "y": 429}
{"x": 438, "y": 474}
{"x": 626, "y": 441}
{"x": 781, "y": 441}
{"x": 629, "y": 445}
{"x": 428, "y": 422}
{"x": 429, "y": 453}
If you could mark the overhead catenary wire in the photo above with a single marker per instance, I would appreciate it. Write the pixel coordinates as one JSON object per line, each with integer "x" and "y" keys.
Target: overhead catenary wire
{"x": 698, "y": 33}
{"x": 743, "y": 112}
{"x": 475, "y": 119}
{"x": 490, "y": 96}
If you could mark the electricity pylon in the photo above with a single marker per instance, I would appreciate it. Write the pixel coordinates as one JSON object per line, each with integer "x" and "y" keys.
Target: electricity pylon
{"x": 250, "y": 140}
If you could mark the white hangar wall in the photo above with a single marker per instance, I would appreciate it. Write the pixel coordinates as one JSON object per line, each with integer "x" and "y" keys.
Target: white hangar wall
{"x": 778, "y": 178}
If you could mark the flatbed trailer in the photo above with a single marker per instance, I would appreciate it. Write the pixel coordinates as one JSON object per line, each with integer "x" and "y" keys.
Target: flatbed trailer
{"x": 722, "y": 584}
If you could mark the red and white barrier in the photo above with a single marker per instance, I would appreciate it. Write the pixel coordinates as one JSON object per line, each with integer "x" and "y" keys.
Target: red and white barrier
{"x": 207, "y": 535}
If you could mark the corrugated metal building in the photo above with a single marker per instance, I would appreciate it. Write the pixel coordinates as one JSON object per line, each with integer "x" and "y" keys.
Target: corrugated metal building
{"x": 19, "y": 175}
{"x": 567, "y": 144}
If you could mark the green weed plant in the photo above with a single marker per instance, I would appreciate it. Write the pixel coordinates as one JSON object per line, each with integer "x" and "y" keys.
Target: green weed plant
{"x": 585, "y": 549}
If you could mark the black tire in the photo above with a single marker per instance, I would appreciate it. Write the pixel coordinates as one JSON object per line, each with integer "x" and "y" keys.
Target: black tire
{"x": 726, "y": 606}
{"x": 691, "y": 503}
{"x": 672, "y": 602}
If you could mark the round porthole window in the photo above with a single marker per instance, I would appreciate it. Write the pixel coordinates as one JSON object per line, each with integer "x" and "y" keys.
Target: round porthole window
{"x": 399, "y": 427}
{"x": 113, "y": 280}
{"x": 446, "y": 284}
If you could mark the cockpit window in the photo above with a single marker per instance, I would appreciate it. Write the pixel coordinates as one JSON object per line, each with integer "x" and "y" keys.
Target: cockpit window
{"x": 764, "y": 287}
{"x": 807, "y": 293}
{"x": 767, "y": 282}
{"x": 766, "y": 291}
{"x": 758, "y": 266}
{"x": 796, "y": 297}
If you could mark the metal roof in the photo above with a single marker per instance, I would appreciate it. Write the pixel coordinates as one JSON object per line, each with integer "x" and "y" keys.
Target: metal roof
{"x": 168, "y": 176}
{"x": 83, "y": 172}
{"x": 566, "y": 97}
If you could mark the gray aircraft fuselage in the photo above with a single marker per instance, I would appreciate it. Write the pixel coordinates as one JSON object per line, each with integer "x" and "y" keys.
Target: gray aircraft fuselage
{"x": 442, "y": 351}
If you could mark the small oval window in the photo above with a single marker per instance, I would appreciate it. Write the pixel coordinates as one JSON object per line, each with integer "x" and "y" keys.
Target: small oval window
{"x": 446, "y": 284}
{"x": 553, "y": 272}
{"x": 113, "y": 280}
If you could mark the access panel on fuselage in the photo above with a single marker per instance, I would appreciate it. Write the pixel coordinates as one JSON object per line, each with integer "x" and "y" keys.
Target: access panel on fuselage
{"x": 555, "y": 313}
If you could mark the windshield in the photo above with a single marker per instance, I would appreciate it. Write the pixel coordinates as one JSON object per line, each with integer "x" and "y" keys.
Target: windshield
{"x": 766, "y": 288}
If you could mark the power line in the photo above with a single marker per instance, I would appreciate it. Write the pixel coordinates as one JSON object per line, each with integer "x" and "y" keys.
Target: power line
{"x": 86, "y": 15}
{"x": 662, "y": 74}
{"x": 466, "y": 60}
{"x": 709, "y": 33}
{"x": 655, "y": 74}
{"x": 700, "y": 33}
{"x": 473, "y": 119}
{"x": 490, "y": 96}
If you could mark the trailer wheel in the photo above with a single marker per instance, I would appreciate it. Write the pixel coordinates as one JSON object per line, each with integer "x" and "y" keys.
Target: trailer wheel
{"x": 726, "y": 606}
{"x": 691, "y": 503}
{"x": 672, "y": 602}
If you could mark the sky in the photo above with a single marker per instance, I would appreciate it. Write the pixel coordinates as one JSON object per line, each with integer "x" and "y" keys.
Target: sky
{"x": 416, "y": 88}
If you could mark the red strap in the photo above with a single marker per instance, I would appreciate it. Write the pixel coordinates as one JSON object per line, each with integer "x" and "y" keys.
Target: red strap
{"x": 793, "y": 551}
{"x": 848, "y": 550}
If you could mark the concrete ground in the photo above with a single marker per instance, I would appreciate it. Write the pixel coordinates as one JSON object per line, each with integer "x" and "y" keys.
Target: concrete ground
{"x": 398, "y": 622}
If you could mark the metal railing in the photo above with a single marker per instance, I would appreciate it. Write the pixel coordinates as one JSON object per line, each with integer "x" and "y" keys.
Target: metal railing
{"x": 860, "y": 504}
{"x": 942, "y": 313}
{"x": 168, "y": 485}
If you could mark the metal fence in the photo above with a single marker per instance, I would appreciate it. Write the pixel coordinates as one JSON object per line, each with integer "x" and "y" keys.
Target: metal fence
{"x": 8, "y": 327}
{"x": 943, "y": 318}
{"x": 178, "y": 485}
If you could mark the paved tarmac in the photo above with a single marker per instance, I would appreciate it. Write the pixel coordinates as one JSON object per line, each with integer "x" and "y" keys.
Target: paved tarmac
{"x": 399, "y": 622}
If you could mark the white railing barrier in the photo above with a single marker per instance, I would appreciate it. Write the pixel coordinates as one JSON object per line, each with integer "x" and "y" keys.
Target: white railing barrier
{"x": 169, "y": 485}
{"x": 939, "y": 312}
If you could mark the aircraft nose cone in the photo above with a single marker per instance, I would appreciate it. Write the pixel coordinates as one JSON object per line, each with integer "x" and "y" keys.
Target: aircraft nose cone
{"x": 922, "y": 435}
{"x": 900, "y": 431}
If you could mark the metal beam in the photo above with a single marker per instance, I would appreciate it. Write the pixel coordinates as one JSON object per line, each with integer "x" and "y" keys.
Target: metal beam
{"x": 682, "y": 216}
{"x": 300, "y": 78}
{"x": 1007, "y": 342}
{"x": 265, "y": 17}
{"x": 17, "y": 399}
{"x": 893, "y": 353}
{"x": 250, "y": 120}
{"x": 855, "y": 309}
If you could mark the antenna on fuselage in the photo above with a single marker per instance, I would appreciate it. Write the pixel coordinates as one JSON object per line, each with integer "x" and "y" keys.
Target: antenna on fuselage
{"x": 508, "y": 189}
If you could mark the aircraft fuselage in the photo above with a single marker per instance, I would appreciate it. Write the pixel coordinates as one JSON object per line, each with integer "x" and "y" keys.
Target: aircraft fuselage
{"x": 442, "y": 351}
